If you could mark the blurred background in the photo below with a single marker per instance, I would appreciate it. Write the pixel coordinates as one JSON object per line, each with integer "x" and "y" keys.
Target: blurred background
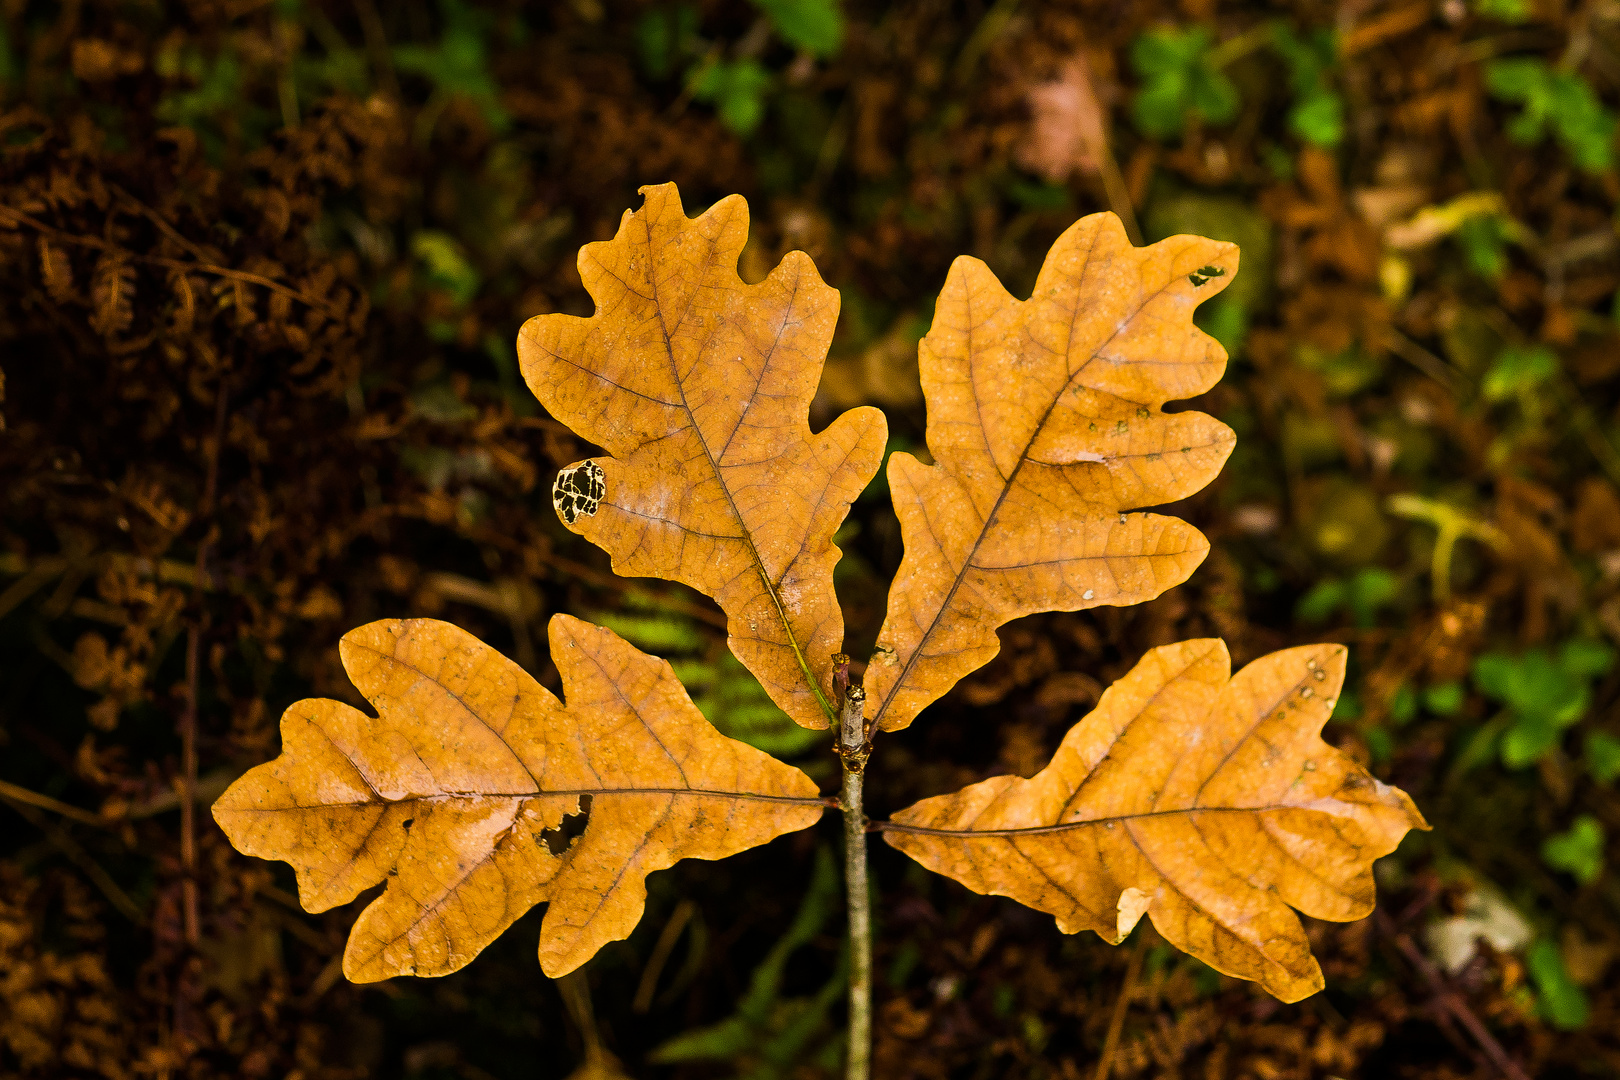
{"x": 262, "y": 265}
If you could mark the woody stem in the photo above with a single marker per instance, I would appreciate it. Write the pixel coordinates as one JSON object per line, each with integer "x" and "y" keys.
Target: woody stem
{"x": 852, "y": 750}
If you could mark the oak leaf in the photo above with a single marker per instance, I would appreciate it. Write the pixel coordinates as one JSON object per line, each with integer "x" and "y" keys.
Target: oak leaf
{"x": 1045, "y": 425}
{"x": 1208, "y": 803}
{"x": 698, "y": 386}
{"x": 466, "y": 793}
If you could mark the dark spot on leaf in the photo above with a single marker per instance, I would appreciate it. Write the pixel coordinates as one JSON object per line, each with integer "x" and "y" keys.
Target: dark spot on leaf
{"x": 407, "y": 823}
{"x": 558, "y": 840}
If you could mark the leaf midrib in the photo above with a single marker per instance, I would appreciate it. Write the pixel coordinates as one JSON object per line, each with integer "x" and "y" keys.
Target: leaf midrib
{"x": 714, "y": 466}
{"x": 449, "y": 796}
{"x": 1067, "y": 826}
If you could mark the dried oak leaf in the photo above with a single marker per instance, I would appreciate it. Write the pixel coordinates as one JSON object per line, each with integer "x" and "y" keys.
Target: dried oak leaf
{"x": 1209, "y": 803}
{"x": 1045, "y": 423}
{"x": 456, "y": 795}
{"x": 698, "y": 386}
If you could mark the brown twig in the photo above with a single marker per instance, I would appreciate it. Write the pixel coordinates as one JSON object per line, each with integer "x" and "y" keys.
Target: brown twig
{"x": 188, "y": 721}
{"x": 648, "y": 986}
{"x": 45, "y": 802}
{"x": 852, "y": 750}
{"x": 1116, "y": 1023}
{"x": 79, "y": 857}
{"x": 1452, "y": 1002}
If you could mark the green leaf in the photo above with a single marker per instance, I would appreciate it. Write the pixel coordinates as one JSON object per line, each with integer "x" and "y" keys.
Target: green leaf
{"x": 663, "y": 36}
{"x": 1403, "y": 707}
{"x": 1539, "y": 687}
{"x": 1508, "y": 11}
{"x": 1578, "y": 852}
{"x": 1308, "y": 56}
{"x": 446, "y": 265}
{"x": 1321, "y": 601}
{"x": 1518, "y": 78}
{"x": 1526, "y": 740}
{"x": 1318, "y": 118}
{"x": 1444, "y": 699}
{"x": 657, "y": 634}
{"x": 1380, "y": 744}
{"x": 1544, "y": 696}
{"x": 1603, "y": 756}
{"x": 734, "y": 702}
{"x": 816, "y": 26}
{"x": 737, "y": 90}
{"x": 1371, "y": 589}
{"x": 1478, "y": 746}
{"x": 1483, "y": 240}
{"x": 1518, "y": 370}
{"x": 1585, "y": 658}
{"x": 1563, "y": 1003}
{"x": 1491, "y": 674}
{"x": 1558, "y": 100}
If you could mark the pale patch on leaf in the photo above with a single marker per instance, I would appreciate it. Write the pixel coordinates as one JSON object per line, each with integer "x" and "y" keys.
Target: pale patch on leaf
{"x": 1133, "y": 904}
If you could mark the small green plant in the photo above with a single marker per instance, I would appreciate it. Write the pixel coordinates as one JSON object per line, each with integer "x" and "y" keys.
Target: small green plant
{"x": 1182, "y": 73}
{"x": 1556, "y": 100}
{"x": 1317, "y": 114}
{"x": 1543, "y": 695}
{"x": 458, "y": 66}
{"x": 1440, "y": 699}
{"x": 1364, "y": 594}
{"x": 1483, "y": 240}
{"x": 667, "y": 37}
{"x": 769, "y": 1035}
{"x": 738, "y": 88}
{"x": 1562, "y": 1002}
{"x": 1179, "y": 80}
{"x": 814, "y": 26}
{"x": 1517, "y": 372}
{"x": 1578, "y": 852}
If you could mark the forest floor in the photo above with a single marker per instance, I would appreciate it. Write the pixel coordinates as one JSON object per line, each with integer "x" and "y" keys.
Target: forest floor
{"x": 262, "y": 267}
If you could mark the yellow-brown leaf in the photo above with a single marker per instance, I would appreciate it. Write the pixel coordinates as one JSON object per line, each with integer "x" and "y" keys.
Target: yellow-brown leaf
{"x": 1209, "y": 803}
{"x": 455, "y": 794}
{"x": 699, "y": 388}
{"x": 1044, "y": 423}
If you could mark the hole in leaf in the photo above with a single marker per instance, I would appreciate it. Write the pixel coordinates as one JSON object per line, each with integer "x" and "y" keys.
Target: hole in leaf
{"x": 557, "y": 840}
{"x": 579, "y": 490}
{"x": 1202, "y": 275}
